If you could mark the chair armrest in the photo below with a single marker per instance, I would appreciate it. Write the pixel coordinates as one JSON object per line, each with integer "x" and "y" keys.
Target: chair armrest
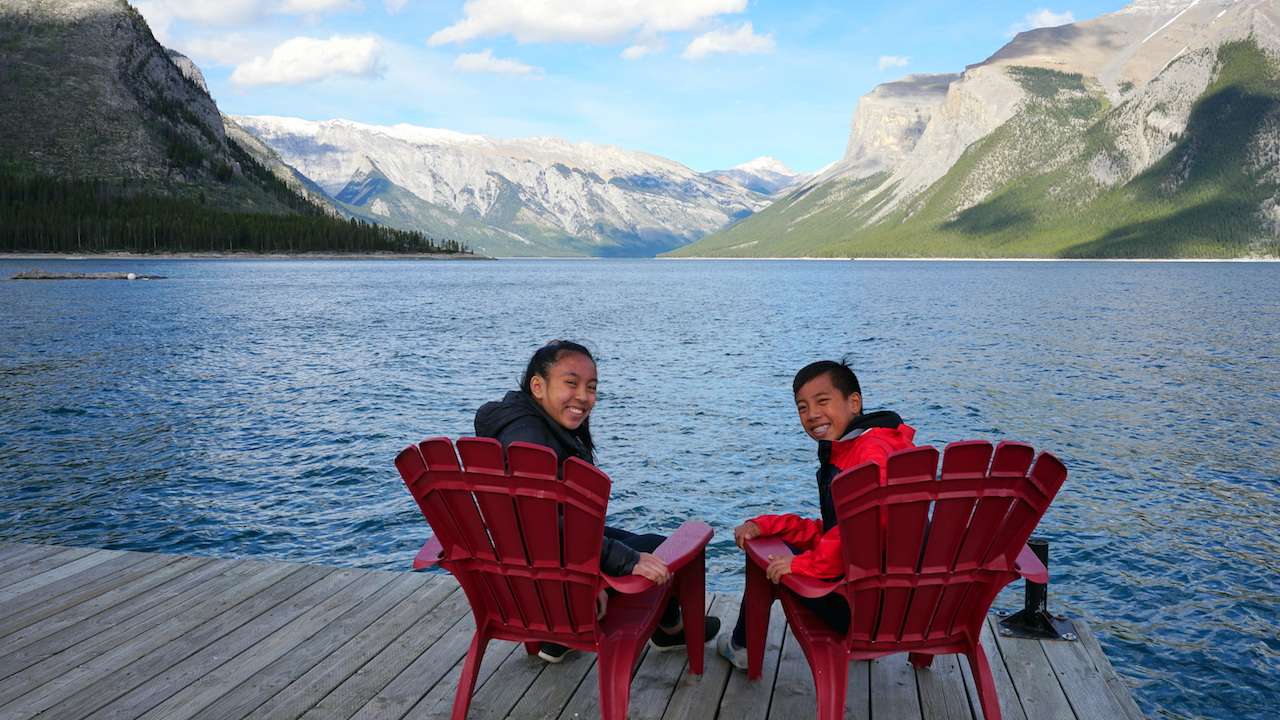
{"x": 759, "y": 549}
{"x": 1028, "y": 565}
{"x": 429, "y": 555}
{"x": 676, "y": 551}
{"x": 684, "y": 544}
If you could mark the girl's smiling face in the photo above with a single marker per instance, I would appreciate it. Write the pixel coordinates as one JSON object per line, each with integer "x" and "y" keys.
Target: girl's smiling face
{"x": 568, "y": 392}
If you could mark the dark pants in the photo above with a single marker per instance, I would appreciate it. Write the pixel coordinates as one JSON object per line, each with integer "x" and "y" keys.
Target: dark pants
{"x": 647, "y": 544}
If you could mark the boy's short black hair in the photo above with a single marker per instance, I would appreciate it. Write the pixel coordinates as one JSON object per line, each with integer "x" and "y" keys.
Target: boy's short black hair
{"x": 841, "y": 376}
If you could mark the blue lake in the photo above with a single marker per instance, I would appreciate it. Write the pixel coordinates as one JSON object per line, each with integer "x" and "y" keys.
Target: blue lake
{"x": 253, "y": 408}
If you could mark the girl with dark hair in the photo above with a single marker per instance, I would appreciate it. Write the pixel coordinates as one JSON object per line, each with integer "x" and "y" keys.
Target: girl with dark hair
{"x": 552, "y": 408}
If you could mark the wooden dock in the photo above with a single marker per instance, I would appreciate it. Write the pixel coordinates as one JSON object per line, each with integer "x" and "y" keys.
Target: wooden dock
{"x": 109, "y": 634}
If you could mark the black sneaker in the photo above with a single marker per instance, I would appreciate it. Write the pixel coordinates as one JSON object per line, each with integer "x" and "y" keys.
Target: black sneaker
{"x": 663, "y": 642}
{"x": 553, "y": 653}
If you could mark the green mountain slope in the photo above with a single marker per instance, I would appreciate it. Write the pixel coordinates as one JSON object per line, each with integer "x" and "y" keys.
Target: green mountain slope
{"x": 1033, "y": 187}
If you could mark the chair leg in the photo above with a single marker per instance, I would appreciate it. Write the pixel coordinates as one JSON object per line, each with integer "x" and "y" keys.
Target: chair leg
{"x": 757, "y": 599}
{"x": 467, "y": 682}
{"x": 830, "y": 665}
{"x": 691, "y": 586}
{"x": 986, "y": 683}
{"x": 615, "y": 683}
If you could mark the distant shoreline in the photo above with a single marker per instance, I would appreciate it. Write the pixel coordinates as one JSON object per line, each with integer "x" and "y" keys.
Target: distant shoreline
{"x": 242, "y": 256}
{"x": 471, "y": 256}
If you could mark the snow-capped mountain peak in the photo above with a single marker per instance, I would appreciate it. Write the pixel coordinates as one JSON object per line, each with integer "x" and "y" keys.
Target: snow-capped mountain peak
{"x": 578, "y": 198}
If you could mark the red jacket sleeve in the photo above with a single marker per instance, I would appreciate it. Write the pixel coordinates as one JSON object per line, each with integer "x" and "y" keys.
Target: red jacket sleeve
{"x": 824, "y": 556}
{"x": 821, "y": 556}
{"x": 826, "y": 560}
{"x": 800, "y": 532}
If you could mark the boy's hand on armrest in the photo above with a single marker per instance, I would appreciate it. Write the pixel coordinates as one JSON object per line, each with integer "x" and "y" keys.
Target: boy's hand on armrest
{"x": 652, "y": 568}
{"x": 748, "y": 530}
{"x": 779, "y": 565}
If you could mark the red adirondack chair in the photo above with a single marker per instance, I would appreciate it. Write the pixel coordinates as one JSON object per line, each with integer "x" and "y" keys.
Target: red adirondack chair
{"x": 524, "y": 541}
{"x": 925, "y": 556}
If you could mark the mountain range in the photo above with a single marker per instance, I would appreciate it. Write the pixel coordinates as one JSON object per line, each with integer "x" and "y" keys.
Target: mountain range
{"x": 1149, "y": 132}
{"x": 1153, "y": 131}
{"x": 519, "y": 197}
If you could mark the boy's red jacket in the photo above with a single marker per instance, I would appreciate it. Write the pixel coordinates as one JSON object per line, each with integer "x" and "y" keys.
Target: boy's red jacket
{"x": 873, "y": 437}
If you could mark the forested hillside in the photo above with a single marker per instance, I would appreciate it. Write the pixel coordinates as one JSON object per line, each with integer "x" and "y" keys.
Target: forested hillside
{"x": 107, "y": 145}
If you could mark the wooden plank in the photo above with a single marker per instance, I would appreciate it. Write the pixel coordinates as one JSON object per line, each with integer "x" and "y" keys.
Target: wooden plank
{"x": 68, "y": 672}
{"x": 744, "y": 698}
{"x": 894, "y": 693}
{"x": 70, "y": 629}
{"x": 657, "y": 677}
{"x": 355, "y": 652}
{"x": 554, "y": 687}
{"x": 505, "y": 673}
{"x": 19, "y": 555}
{"x": 943, "y": 694}
{"x": 33, "y": 576}
{"x": 699, "y": 696}
{"x": 18, "y": 629}
{"x": 134, "y": 635}
{"x": 793, "y": 689}
{"x": 134, "y": 664}
{"x": 1116, "y": 687}
{"x": 407, "y": 689}
{"x": 1034, "y": 684}
{"x": 238, "y": 656}
{"x": 435, "y": 638}
{"x": 264, "y": 683}
{"x": 1010, "y": 703}
{"x": 75, "y": 589}
{"x": 44, "y": 661}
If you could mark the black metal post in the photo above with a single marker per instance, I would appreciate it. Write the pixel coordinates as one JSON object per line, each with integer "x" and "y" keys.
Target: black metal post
{"x": 1034, "y": 620}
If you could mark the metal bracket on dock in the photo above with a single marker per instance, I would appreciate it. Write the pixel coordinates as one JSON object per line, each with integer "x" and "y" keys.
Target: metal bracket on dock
{"x": 1034, "y": 619}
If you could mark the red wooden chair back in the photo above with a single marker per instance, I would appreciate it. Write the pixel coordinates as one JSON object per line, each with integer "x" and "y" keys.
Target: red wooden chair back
{"x": 926, "y": 553}
{"x": 524, "y": 540}
{"x": 524, "y": 545}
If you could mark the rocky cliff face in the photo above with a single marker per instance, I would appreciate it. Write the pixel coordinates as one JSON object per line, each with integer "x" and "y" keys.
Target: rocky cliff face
{"x": 87, "y": 93}
{"x": 1057, "y": 121}
{"x": 534, "y": 196}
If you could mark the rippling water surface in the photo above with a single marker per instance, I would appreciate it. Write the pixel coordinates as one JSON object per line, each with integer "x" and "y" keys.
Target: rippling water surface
{"x": 253, "y": 408}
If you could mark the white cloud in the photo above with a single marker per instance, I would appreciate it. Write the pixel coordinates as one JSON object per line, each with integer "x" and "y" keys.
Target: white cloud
{"x": 222, "y": 50}
{"x": 1041, "y": 18}
{"x": 635, "y": 52}
{"x": 395, "y": 6}
{"x": 160, "y": 14}
{"x": 304, "y": 60}
{"x": 307, "y": 7}
{"x": 485, "y": 62}
{"x": 593, "y": 21}
{"x": 742, "y": 40}
{"x": 892, "y": 61}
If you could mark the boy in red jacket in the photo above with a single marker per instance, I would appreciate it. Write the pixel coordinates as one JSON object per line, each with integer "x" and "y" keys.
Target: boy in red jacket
{"x": 829, "y": 401}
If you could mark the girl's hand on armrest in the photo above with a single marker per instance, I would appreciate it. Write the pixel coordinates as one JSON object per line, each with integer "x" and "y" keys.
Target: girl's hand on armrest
{"x": 652, "y": 568}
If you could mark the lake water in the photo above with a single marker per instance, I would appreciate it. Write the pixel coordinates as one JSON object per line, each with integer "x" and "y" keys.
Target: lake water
{"x": 253, "y": 408}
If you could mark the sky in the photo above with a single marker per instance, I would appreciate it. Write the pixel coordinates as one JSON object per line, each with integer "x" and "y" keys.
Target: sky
{"x": 710, "y": 84}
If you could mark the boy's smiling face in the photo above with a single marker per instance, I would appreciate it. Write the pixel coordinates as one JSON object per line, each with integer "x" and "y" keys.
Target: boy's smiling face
{"x": 825, "y": 413}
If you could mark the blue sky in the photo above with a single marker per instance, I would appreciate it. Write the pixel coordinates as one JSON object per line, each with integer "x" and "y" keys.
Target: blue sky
{"x": 707, "y": 83}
